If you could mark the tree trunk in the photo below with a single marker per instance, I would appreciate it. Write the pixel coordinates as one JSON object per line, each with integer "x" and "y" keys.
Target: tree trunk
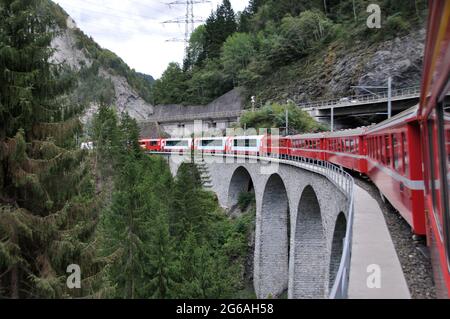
{"x": 14, "y": 282}
{"x": 14, "y": 273}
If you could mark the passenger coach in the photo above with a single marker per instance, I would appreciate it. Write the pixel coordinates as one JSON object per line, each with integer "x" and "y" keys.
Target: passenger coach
{"x": 394, "y": 165}
{"x": 347, "y": 149}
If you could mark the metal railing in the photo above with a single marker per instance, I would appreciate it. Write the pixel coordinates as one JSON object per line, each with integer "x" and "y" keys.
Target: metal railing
{"x": 410, "y": 92}
{"x": 341, "y": 179}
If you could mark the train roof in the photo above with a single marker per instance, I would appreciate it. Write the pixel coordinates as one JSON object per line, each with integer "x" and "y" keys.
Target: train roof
{"x": 401, "y": 118}
{"x": 248, "y": 137}
{"x": 177, "y": 138}
{"x": 211, "y": 138}
{"x": 349, "y": 132}
{"x": 306, "y": 136}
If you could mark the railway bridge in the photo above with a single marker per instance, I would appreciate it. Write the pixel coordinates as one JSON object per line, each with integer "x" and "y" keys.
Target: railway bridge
{"x": 317, "y": 234}
{"x": 303, "y": 210}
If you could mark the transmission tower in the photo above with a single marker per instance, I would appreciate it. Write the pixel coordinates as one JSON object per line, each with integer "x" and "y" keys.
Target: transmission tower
{"x": 189, "y": 20}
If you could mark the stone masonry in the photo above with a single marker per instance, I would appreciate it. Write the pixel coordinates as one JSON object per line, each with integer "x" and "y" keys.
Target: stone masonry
{"x": 296, "y": 214}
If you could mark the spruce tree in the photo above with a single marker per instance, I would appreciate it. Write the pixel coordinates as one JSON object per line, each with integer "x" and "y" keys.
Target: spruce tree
{"x": 219, "y": 26}
{"x": 47, "y": 214}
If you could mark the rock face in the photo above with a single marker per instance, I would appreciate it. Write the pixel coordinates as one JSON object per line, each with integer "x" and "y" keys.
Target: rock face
{"x": 126, "y": 98}
{"x": 332, "y": 73}
{"x": 400, "y": 58}
{"x": 65, "y": 53}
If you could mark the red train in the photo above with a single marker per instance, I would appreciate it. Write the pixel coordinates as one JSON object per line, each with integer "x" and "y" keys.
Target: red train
{"x": 407, "y": 157}
{"x": 434, "y": 114}
{"x": 348, "y": 149}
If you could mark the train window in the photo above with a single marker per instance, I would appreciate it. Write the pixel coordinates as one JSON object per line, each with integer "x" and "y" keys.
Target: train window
{"x": 380, "y": 149}
{"x": 154, "y": 143}
{"x": 179, "y": 143}
{"x": 206, "y": 143}
{"x": 388, "y": 150}
{"x": 405, "y": 154}
{"x": 396, "y": 151}
{"x": 372, "y": 147}
{"x": 433, "y": 176}
{"x": 245, "y": 143}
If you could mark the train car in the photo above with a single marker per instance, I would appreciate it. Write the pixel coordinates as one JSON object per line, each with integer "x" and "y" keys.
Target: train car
{"x": 347, "y": 148}
{"x": 275, "y": 145}
{"x": 434, "y": 110}
{"x": 394, "y": 165}
{"x": 308, "y": 145}
{"x": 177, "y": 145}
{"x": 211, "y": 144}
{"x": 151, "y": 145}
{"x": 245, "y": 145}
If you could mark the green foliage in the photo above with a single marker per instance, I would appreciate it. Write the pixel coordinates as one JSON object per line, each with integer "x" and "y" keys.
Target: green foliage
{"x": 237, "y": 52}
{"x": 397, "y": 24}
{"x": 304, "y": 31}
{"x": 219, "y": 26}
{"x": 272, "y": 34}
{"x": 47, "y": 207}
{"x": 162, "y": 237}
{"x": 245, "y": 199}
{"x": 274, "y": 116}
{"x": 110, "y": 61}
{"x": 196, "y": 53}
{"x": 93, "y": 88}
{"x": 171, "y": 87}
{"x": 207, "y": 83}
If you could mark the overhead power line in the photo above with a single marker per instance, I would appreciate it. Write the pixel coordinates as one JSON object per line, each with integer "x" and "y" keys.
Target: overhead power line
{"x": 189, "y": 20}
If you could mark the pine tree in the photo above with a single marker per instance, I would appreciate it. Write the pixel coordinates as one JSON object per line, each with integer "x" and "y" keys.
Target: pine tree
{"x": 47, "y": 214}
{"x": 219, "y": 26}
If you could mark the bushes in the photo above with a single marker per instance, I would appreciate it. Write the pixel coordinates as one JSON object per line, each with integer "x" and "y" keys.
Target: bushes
{"x": 245, "y": 200}
{"x": 397, "y": 25}
{"x": 273, "y": 116}
{"x": 237, "y": 52}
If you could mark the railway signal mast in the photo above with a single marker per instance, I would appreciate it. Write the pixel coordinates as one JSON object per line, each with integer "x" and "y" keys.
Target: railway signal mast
{"x": 389, "y": 93}
{"x": 189, "y": 20}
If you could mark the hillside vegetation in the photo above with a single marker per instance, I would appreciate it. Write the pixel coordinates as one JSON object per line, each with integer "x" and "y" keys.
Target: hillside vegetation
{"x": 279, "y": 49}
{"x": 114, "y": 213}
{"x": 93, "y": 87}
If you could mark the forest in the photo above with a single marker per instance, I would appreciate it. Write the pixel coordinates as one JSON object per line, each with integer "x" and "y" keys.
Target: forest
{"x": 244, "y": 49}
{"x": 133, "y": 229}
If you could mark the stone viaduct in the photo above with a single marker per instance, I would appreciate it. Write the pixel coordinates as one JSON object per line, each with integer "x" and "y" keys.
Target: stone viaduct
{"x": 301, "y": 219}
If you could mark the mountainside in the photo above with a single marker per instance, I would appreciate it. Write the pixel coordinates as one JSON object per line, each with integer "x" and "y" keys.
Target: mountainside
{"x": 298, "y": 50}
{"x": 332, "y": 72}
{"x": 102, "y": 76}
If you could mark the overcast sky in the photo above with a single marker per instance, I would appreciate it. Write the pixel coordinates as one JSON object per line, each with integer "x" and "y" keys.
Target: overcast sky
{"x": 133, "y": 29}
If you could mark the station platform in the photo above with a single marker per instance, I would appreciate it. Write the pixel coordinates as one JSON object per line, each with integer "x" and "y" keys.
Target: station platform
{"x": 375, "y": 270}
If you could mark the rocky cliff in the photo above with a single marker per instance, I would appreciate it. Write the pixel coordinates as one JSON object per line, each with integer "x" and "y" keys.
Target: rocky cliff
{"x": 75, "y": 50}
{"x": 331, "y": 73}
